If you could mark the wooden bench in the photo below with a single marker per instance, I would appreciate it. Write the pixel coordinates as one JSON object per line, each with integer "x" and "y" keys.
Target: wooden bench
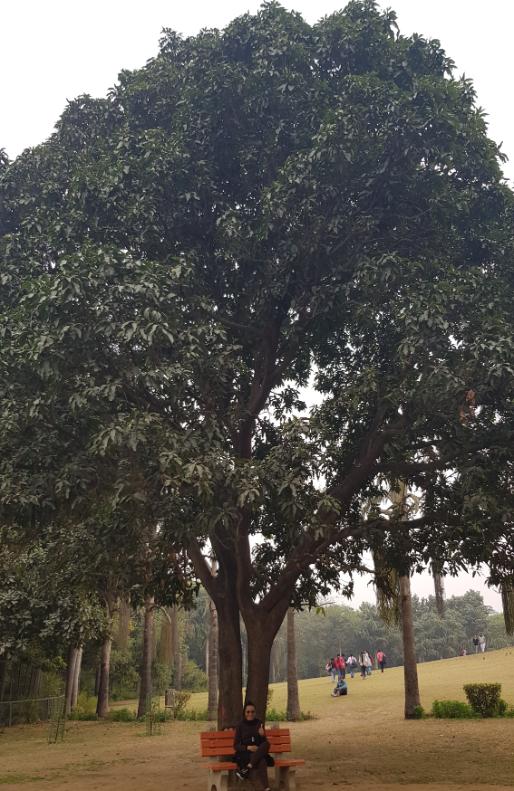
{"x": 220, "y": 744}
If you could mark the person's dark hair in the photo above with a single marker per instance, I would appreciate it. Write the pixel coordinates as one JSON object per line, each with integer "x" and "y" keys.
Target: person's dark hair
{"x": 248, "y": 703}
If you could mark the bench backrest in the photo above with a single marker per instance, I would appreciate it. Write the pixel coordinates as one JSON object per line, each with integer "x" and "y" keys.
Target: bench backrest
{"x": 222, "y": 742}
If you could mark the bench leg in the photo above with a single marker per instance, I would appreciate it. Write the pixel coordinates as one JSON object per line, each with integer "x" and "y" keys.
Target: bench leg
{"x": 217, "y": 781}
{"x": 285, "y": 778}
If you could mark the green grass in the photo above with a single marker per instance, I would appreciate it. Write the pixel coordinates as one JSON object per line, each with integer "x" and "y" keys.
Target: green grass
{"x": 438, "y": 680}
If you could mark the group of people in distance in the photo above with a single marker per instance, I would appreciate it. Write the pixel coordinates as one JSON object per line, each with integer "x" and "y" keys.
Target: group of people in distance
{"x": 339, "y": 665}
{"x": 479, "y": 643}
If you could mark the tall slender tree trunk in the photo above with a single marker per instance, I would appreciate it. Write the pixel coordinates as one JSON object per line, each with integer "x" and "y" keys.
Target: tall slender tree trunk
{"x": 438, "y": 590}
{"x": 4, "y": 676}
{"x": 145, "y": 687}
{"x": 176, "y": 640}
{"x": 123, "y": 630}
{"x": 102, "y": 706}
{"x": 293, "y": 698}
{"x": 165, "y": 645}
{"x": 70, "y": 675}
{"x": 410, "y": 669}
{"x": 212, "y": 669}
{"x": 76, "y": 677}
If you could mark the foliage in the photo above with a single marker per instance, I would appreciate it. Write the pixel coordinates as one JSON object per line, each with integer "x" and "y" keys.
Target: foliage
{"x": 179, "y": 704}
{"x": 122, "y": 715}
{"x": 451, "y": 709}
{"x": 484, "y": 699}
{"x": 194, "y": 679}
{"x": 418, "y": 713}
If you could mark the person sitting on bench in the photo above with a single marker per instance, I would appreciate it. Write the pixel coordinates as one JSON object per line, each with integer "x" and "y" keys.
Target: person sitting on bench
{"x": 251, "y": 747}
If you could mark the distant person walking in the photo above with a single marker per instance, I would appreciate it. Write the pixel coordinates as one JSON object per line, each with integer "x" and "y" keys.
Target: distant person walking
{"x": 341, "y": 666}
{"x": 351, "y": 664}
{"x": 476, "y": 643}
{"x": 364, "y": 663}
{"x": 381, "y": 660}
{"x": 481, "y": 642}
{"x": 369, "y": 666}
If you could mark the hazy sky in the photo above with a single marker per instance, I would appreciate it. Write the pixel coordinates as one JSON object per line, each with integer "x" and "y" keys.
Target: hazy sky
{"x": 54, "y": 50}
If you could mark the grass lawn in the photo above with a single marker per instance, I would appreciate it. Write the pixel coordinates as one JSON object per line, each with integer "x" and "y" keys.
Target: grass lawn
{"x": 359, "y": 740}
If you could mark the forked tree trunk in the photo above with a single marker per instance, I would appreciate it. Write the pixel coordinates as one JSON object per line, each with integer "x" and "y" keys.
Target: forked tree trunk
{"x": 261, "y": 631}
{"x": 212, "y": 666}
{"x": 293, "y": 698}
{"x": 102, "y": 706}
{"x": 145, "y": 687}
{"x": 76, "y": 677}
{"x": 70, "y": 677}
{"x": 410, "y": 669}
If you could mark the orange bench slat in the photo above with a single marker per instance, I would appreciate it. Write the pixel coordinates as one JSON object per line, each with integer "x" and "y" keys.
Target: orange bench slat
{"x": 222, "y": 766}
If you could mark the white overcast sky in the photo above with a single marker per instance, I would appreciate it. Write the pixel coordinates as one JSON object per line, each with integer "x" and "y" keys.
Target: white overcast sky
{"x": 54, "y": 50}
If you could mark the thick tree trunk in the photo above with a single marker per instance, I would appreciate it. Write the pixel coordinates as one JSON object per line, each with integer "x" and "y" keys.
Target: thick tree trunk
{"x": 261, "y": 630}
{"x": 102, "y": 706}
{"x": 70, "y": 675}
{"x": 145, "y": 687}
{"x": 230, "y": 680}
{"x": 293, "y": 698}
{"x": 212, "y": 669}
{"x": 76, "y": 677}
{"x": 410, "y": 670}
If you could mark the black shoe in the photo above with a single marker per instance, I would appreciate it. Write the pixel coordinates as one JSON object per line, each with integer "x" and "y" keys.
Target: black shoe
{"x": 242, "y": 774}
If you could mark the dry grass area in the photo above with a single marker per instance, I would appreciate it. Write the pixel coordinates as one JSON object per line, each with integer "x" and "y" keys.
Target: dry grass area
{"x": 361, "y": 740}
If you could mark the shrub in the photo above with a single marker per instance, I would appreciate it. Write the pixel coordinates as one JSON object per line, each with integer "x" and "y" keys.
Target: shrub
{"x": 122, "y": 715}
{"x": 85, "y": 709}
{"x": 178, "y": 704}
{"x": 484, "y": 699}
{"x": 419, "y": 713}
{"x": 451, "y": 709}
{"x": 502, "y": 707}
{"x": 194, "y": 679}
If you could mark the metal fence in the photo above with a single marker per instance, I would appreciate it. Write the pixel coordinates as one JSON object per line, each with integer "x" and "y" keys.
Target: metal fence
{"x": 21, "y": 712}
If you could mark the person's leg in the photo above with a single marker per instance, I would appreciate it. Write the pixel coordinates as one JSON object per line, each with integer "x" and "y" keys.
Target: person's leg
{"x": 261, "y": 770}
{"x": 259, "y": 763}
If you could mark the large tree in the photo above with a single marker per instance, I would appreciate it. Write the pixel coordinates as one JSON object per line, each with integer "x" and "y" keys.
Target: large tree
{"x": 258, "y": 209}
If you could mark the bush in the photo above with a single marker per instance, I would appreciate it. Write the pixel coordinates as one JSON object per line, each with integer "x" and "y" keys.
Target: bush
{"x": 178, "y": 705}
{"x": 122, "y": 715}
{"x": 451, "y": 710}
{"x": 419, "y": 713}
{"x": 85, "y": 709}
{"x": 484, "y": 699}
{"x": 193, "y": 677}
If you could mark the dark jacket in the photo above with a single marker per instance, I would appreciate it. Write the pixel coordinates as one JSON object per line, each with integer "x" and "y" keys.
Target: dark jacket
{"x": 247, "y": 733}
